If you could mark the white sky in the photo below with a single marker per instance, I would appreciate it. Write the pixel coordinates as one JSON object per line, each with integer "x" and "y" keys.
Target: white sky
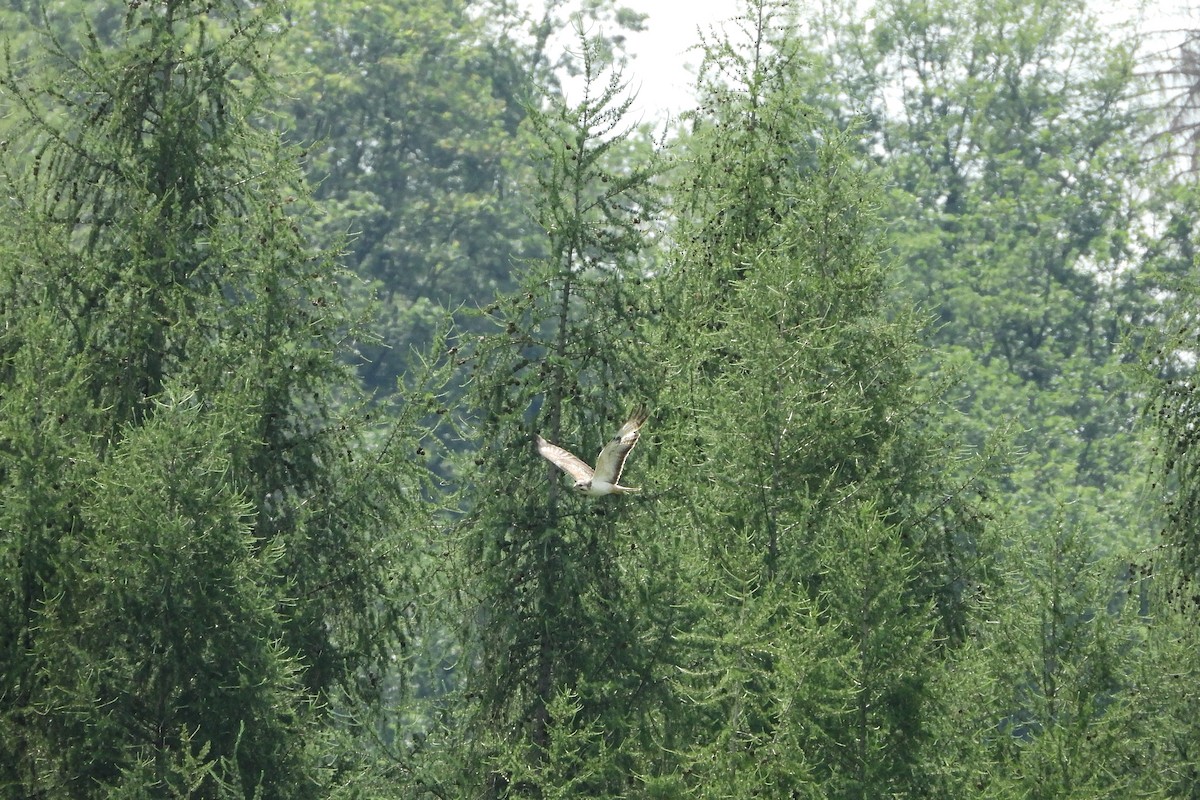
{"x": 663, "y": 67}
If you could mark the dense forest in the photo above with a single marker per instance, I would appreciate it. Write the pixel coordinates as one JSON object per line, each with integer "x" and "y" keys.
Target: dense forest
{"x": 288, "y": 289}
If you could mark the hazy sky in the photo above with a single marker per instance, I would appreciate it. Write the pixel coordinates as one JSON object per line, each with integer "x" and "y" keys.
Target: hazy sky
{"x": 662, "y": 67}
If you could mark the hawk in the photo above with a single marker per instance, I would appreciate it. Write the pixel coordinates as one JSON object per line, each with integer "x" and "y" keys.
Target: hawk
{"x": 602, "y": 480}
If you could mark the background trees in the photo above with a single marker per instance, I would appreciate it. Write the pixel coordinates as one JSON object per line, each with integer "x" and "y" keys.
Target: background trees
{"x": 416, "y": 116}
{"x": 413, "y": 116}
{"x": 881, "y": 291}
{"x": 1012, "y": 143}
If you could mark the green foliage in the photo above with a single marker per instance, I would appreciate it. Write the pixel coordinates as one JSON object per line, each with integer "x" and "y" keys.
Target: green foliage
{"x": 163, "y": 614}
{"x": 1167, "y": 577}
{"x": 1169, "y": 371}
{"x": 1045, "y": 698}
{"x": 575, "y": 761}
{"x": 563, "y": 598}
{"x": 412, "y": 117}
{"x": 223, "y": 577}
{"x": 812, "y": 507}
{"x": 759, "y": 678}
{"x": 204, "y": 532}
{"x": 1012, "y": 143}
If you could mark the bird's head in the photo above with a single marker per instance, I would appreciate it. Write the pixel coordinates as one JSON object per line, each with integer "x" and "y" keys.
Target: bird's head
{"x": 582, "y": 486}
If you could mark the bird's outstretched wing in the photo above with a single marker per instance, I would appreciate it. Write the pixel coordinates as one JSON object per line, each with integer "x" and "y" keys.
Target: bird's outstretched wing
{"x": 611, "y": 460}
{"x": 564, "y": 460}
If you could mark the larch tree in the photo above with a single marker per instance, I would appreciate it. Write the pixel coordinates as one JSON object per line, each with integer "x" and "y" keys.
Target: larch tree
{"x": 1169, "y": 573}
{"x": 204, "y": 533}
{"x": 559, "y": 586}
{"x": 1052, "y": 692}
{"x": 823, "y": 546}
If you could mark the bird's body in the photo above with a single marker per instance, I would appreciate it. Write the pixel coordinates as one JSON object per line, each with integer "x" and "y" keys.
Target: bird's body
{"x": 604, "y": 479}
{"x": 595, "y": 488}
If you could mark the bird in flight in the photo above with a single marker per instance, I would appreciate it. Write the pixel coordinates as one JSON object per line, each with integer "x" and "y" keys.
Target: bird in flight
{"x": 602, "y": 480}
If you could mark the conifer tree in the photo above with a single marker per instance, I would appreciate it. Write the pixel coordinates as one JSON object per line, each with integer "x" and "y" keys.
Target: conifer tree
{"x": 1169, "y": 574}
{"x": 813, "y": 508}
{"x": 202, "y": 532}
{"x": 1051, "y": 695}
{"x": 563, "y": 621}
